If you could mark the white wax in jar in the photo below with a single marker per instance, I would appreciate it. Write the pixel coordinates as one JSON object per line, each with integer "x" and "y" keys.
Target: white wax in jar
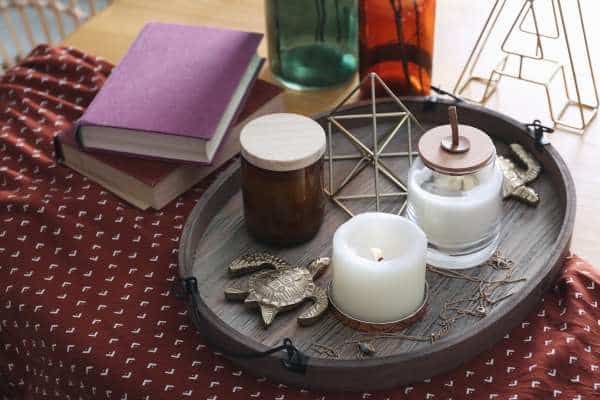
{"x": 456, "y": 221}
{"x": 378, "y": 291}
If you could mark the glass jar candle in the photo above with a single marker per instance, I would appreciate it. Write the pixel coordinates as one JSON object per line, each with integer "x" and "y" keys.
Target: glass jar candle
{"x": 312, "y": 43}
{"x": 282, "y": 170}
{"x": 455, "y": 196}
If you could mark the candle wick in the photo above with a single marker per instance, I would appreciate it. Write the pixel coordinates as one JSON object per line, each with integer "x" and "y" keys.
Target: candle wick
{"x": 377, "y": 254}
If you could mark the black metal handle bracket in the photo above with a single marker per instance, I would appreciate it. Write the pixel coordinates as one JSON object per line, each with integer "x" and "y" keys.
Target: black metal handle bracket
{"x": 538, "y": 132}
{"x": 432, "y": 101}
{"x": 295, "y": 361}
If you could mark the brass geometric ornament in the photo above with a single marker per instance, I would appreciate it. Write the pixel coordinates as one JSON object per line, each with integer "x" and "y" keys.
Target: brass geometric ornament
{"x": 518, "y": 175}
{"x": 542, "y": 25}
{"x": 372, "y": 154}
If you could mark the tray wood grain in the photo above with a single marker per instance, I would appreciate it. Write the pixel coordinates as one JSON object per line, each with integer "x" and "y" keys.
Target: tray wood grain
{"x": 536, "y": 239}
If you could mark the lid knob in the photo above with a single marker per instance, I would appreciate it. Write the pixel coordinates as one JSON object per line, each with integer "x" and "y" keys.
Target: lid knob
{"x": 455, "y": 143}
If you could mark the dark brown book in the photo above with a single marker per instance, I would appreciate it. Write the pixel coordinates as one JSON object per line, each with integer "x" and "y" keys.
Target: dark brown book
{"x": 152, "y": 183}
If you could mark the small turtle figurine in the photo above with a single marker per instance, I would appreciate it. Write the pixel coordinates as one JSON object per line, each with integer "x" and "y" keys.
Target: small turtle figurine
{"x": 516, "y": 178}
{"x": 279, "y": 288}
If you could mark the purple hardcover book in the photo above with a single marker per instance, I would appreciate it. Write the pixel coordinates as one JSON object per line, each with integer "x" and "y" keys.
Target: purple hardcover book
{"x": 174, "y": 95}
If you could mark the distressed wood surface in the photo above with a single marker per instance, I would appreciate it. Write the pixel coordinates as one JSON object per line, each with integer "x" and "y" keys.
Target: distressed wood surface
{"x": 536, "y": 239}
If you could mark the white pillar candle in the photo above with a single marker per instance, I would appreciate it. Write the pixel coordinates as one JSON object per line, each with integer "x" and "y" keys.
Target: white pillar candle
{"x": 378, "y": 291}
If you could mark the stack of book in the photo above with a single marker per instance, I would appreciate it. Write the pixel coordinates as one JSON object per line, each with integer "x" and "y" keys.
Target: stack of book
{"x": 170, "y": 113}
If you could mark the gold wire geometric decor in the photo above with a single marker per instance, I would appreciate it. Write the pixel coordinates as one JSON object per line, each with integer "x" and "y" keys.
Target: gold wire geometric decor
{"x": 574, "y": 114}
{"x": 371, "y": 155}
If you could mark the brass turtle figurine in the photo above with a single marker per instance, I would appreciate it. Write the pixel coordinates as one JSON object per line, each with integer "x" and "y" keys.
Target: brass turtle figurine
{"x": 277, "y": 286}
{"x": 516, "y": 178}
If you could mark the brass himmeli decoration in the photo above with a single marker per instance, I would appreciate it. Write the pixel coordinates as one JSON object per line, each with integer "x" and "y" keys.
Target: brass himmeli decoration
{"x": 366, "y": 156}
{"x": 277, "y": 286}
{"x": 517, "y": 178}
{"x": 519, "y": 65}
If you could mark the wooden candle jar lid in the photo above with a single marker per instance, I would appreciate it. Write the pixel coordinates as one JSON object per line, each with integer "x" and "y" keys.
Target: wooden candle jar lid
{"x": 455, "y": 149}
{"x": 282, "y": 142}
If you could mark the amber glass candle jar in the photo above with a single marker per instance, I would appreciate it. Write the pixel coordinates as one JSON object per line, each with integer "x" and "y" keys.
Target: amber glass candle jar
{"x": 396, "y": 42}
{"x": 282, "y": 172}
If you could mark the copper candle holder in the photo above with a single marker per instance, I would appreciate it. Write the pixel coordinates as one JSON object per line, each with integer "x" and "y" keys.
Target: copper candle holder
{"x": 370, "y": 327}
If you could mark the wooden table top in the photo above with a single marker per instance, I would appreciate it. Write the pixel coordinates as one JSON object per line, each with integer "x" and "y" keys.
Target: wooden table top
{"x": 110, "y": 33}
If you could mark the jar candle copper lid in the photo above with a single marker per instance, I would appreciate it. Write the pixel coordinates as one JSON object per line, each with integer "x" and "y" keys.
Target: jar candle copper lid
{"x": 282, "y": 142}
{"x": 455, "y": 149}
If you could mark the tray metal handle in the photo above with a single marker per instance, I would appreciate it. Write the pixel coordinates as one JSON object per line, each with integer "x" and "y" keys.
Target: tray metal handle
{"x": 295, "y": 360}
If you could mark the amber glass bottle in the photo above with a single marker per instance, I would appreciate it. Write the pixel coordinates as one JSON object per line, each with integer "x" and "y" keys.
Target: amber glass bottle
{"x": 396, "y": 42}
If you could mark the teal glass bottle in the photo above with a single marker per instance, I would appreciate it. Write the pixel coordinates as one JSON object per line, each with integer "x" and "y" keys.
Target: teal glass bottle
{"x": 312, "y": 43}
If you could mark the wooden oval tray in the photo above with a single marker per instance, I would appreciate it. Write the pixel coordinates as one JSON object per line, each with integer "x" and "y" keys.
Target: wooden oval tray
{"x": 536, "y": 239}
